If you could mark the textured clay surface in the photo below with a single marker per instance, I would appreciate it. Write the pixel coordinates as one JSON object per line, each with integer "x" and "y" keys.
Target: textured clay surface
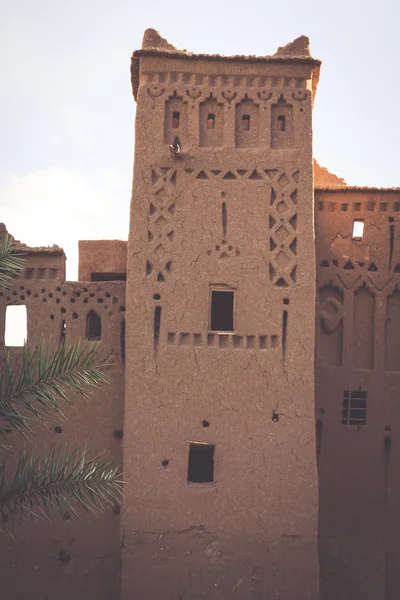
{"x": 222, "y": 201}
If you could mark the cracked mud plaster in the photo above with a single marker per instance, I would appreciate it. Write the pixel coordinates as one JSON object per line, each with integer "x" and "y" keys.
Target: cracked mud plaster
{"x": 229, "y": 189}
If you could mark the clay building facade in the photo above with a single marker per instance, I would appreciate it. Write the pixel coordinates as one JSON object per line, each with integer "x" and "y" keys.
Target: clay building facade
{"x": 255, "y": 355}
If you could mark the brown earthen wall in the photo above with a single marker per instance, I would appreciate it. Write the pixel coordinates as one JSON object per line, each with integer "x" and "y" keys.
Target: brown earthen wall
{"x": 253, "y": 531}
{"x": 101, "y": 256}
{"x": 72, "y": 558}
{"x": 358, "y": 350}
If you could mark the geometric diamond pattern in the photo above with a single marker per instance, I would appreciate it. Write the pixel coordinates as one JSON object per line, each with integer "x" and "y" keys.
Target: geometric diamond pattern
{"x": 160, "y": 220}
{"x": 283, "y": 226}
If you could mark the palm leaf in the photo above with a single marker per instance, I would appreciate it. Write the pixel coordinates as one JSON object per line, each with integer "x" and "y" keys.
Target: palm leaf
{"x": 63, "y": 480}
{"x": 10, "y": 263}
{"x": 37, "y": 385}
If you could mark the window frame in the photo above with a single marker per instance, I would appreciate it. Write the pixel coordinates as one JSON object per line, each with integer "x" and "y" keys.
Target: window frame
{"x": 221, "y": 288}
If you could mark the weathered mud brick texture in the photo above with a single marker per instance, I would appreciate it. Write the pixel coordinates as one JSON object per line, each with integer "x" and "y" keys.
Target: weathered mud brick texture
{"x": 234, "y": 310}
{"x": 219, "y": 434}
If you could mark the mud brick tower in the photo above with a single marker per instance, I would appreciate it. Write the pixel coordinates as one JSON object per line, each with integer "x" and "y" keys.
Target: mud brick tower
{"x": 219, "y": 452}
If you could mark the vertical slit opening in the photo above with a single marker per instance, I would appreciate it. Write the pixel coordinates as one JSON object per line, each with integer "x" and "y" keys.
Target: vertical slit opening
{"x": 63, "y": 331}
{"x": 157, "y": 324}
{"x": 224, "y": 219}
{"x": 284, "y": 332}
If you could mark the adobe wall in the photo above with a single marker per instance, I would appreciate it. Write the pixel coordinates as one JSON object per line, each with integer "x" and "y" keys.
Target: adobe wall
{"x": 101, "y": 257}
{"x": 252, "y": 532}
{"x": 72, "y": 558}
{"x": 357, "y": 389}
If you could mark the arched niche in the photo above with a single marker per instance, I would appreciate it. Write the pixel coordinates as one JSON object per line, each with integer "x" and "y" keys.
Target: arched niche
{"x": 211, "y": 124}
{"x": 363, "y": 328}
{"x": 282, "y": 125}
{"x": 330, "y": 342}
{"x": 175, "y": 120}
{"x": 93, "y": 326}
{"x": 247, "y": 124}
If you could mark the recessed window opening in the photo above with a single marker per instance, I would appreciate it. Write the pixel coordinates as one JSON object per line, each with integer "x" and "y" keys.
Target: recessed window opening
{"x": 246, "y": 122}
{"x": 210, "y": 121}
{"x": 16, "y": 332}
{"x": 358, "y": 229}
{"x": 201, "y": 463}
{"x": 107, "y": 276}
{"x": 281, "y": 123}
{"x": 175, "y": 120}
{"x": 222, "y": 304}
{"x": 93, "y": 326}
{"x": 63, "y": 331}
{"x": 354, "y": 411}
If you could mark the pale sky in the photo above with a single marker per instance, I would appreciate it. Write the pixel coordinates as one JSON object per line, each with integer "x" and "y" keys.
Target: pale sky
{"x": 67, "y": 111}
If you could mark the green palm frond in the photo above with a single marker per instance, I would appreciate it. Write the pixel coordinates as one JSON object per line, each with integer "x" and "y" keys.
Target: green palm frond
{"x": 64, "y": 480}
{"x": 35, "y": 386}
{"x": 10, "y": 264}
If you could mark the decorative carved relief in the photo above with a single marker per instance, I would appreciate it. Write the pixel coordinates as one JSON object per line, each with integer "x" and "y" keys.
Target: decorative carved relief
{"x": 360, "y": 207}
{"x": 331, "y": 325}
{"x": 160, "y": 223}
{"x": 363, "y": 339}
{"x": 223, "y": 341}
{"x": 224, "y": 249}
{"x": 283, "y": 229}
{"x": 231, "y": 82}
{"x": 269, "y": 175}
{"x": 354, "y": 272}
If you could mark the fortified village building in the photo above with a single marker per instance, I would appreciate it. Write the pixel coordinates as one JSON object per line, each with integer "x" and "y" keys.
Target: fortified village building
{"x": 254, "y": 321}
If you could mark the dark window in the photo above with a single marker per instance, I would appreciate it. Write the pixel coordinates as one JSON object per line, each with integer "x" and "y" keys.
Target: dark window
{"x": 107, "y": 276}
{"x": 354, "y": 410}
{"x": 157, "y": 322}
{"x": 175, "y": 120}
{"x": 210, "y": 121}
{"x": 93, "y": 326}
{"x": 221, "y": 310}
{"x": 201, "y": 463}
{"x": 281, "y": 123}
{"x": 246, "y": 122}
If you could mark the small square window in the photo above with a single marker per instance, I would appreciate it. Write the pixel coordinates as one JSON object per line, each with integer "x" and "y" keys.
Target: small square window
{"x": 246, "y": 122}
{"x": 201, "y": 463}
{"x": 354, "y": 410}
{"x": 222, "y": 307}
{"x": 281, "y": 123}
{"x": 210, "y": 121}
{"x": 358, "y": 229}
{"x": 175, "y": 120}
